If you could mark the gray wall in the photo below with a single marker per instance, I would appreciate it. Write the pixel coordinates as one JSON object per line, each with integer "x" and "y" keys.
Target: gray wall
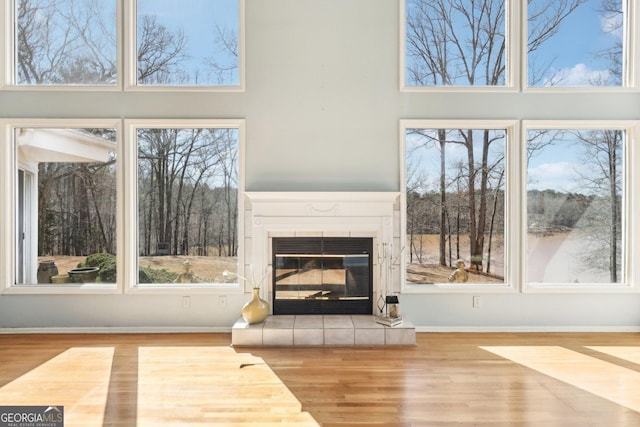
{"x": 322, "y": 107}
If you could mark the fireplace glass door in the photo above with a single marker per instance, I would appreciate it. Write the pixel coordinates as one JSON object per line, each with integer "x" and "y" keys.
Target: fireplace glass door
{"x": 322, "y": 275}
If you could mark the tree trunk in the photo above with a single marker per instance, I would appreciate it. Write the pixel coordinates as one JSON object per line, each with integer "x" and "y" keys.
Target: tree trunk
{"x": 443, "y": 195}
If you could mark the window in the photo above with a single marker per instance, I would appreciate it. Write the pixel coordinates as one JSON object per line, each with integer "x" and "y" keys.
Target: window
{"x": 575, "y": 205}
{"x": 456, "y": 43}
{"x": 77, "y": 43}
{"x": 455, "y": 196}
{"x": 66, "y": 216}
{"x": 576, "y": 43}
{"x": 188, "y": 185}
{"x": 65, "y": 42}
{"x": 187, "y": 43}
{"x": 473, "y": 43}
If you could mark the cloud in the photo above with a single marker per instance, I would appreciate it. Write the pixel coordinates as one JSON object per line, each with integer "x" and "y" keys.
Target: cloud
{"x": 578, "y": 75}
{"x": 559, "y": 176}
{"x": 613, "y": 23}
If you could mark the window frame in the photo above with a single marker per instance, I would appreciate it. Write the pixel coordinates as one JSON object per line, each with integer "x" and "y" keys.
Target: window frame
{"x": 8, "y": 217}
{"x": 513, "y": 61}
{"x": 130, "y": 49}
{"x": 8, "y": 60}
{"x": 516, "y": 75}
{"x": 630, "y": 57}
{"x": 126, "y": 48}
{"x": 631, "y": 204}
{"x": 130, "y": 217}
{"x": 512, "y": 218}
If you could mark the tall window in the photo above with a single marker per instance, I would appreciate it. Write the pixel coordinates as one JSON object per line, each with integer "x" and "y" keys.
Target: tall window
{"x": 575, "y": 199}
{"x": 66, "y": 216}
{"x": 65, "y": 42}
{"x": 187, "y": 43}
{"x": 187, "y": 204}
{"x": 456, "y": 43}
{"x": 455, "y": 204}
{"x": 576, "y": 43}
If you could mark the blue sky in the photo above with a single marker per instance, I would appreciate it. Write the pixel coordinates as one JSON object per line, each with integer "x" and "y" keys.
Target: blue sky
{"x": 573, "y": 47}
{"x": 555, "y": 167}
{"x": 197, "y": 19}
{"x": 580, "y": 36}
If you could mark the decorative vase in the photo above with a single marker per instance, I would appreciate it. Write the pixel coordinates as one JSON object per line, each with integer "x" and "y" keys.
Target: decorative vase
{"x": 256, "y": 310}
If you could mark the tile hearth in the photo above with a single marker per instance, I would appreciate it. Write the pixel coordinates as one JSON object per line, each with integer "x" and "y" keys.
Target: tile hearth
{"x": 321, "y": 330}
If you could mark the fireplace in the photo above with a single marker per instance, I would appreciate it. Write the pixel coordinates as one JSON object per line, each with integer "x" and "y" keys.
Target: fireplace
{"x": 332, "y": 221}
{"x": 322, "y": 275}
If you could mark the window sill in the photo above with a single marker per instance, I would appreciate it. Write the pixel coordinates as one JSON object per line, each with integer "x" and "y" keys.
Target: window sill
{"x": 431, "y": 288}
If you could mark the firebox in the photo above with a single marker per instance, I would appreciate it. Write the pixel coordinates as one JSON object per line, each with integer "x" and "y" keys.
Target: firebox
{"x": 322, "y": 275}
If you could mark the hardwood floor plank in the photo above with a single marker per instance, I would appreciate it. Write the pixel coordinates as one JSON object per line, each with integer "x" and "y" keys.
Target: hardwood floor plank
{"x": 446, "y": 379}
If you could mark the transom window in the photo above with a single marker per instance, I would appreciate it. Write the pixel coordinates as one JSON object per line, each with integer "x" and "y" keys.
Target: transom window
{"x": 65, "y": 42}
{"x": 187, "y": 43}
{"x": 576, "y": 43}
{"x": 456, "y": 43}
{"x": 173, "y": 43}
{"x": 474, "y": 43}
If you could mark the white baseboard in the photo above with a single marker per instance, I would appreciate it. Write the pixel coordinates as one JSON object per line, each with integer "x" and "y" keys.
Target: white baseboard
{"x": 518, "y": 329}
{"x": 227, "y": 329}
{"x": 118, "y": 330}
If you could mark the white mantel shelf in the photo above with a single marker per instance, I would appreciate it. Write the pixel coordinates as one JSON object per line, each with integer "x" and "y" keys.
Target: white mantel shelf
{"x": 297, "y": 196}
{"x": 269, "y": 214}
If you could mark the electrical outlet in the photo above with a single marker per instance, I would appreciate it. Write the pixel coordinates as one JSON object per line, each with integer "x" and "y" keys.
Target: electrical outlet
{"x": 476, "y": 302}
{"x": 222, "y": 300}
{"x": 186, "y": 302}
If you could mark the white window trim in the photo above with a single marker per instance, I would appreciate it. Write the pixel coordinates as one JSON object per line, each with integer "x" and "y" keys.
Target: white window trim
{"x": 513, "y": 61}
{"x": 516, "y": 78}
{"x": 126, "y": 53}
{"x": 8, "y": 58}
{"x": 131, "y": 48}
{"x": 512, "y": 217}
{"x": 631, "y": 227}
{"x": 8, "y": 162}
{"x": 630, "y": 69}
{"x": 130, "y": 216}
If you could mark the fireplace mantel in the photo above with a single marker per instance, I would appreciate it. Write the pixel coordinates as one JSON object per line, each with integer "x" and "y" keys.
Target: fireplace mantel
{"x": 325, "y": 214}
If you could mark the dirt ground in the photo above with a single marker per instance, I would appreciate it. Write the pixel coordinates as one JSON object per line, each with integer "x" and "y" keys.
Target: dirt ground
{"x": 208, "y": 268}
{"x": 434, "y": 273}
{"x": 430, "y": 271}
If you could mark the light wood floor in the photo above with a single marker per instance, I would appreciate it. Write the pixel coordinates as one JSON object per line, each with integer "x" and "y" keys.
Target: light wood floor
{"x": 447, "y": 379}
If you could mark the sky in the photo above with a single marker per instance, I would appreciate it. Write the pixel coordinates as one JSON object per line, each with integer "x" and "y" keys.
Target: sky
{"x": 573, "y": 47}
{"x": 197, "y": 19}
{"x": 580, "y": 36}
{"x": 573, "y": 51}
{"x": 546, "y": 171}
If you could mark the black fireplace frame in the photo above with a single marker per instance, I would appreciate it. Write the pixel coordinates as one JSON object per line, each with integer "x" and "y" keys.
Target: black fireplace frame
{"x": 323, "y": 246}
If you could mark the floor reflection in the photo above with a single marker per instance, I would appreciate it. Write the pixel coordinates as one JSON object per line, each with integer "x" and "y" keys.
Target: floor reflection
{"x": 607, "y": 380}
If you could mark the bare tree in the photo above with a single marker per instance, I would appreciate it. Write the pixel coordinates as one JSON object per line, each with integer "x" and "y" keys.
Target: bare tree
{"x": 462, "y": 42}
{"x": 65, "y": 42}
{"x": 613, "y": 16}
{"x": 543, "y": 22}
{"x": 602, "y": 178}
{"x": 227, "y": 42}
{"x": 160, "y": 53}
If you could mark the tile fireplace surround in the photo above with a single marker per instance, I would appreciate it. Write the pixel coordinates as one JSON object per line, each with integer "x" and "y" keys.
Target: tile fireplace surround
{"x": 323, "y": 214}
